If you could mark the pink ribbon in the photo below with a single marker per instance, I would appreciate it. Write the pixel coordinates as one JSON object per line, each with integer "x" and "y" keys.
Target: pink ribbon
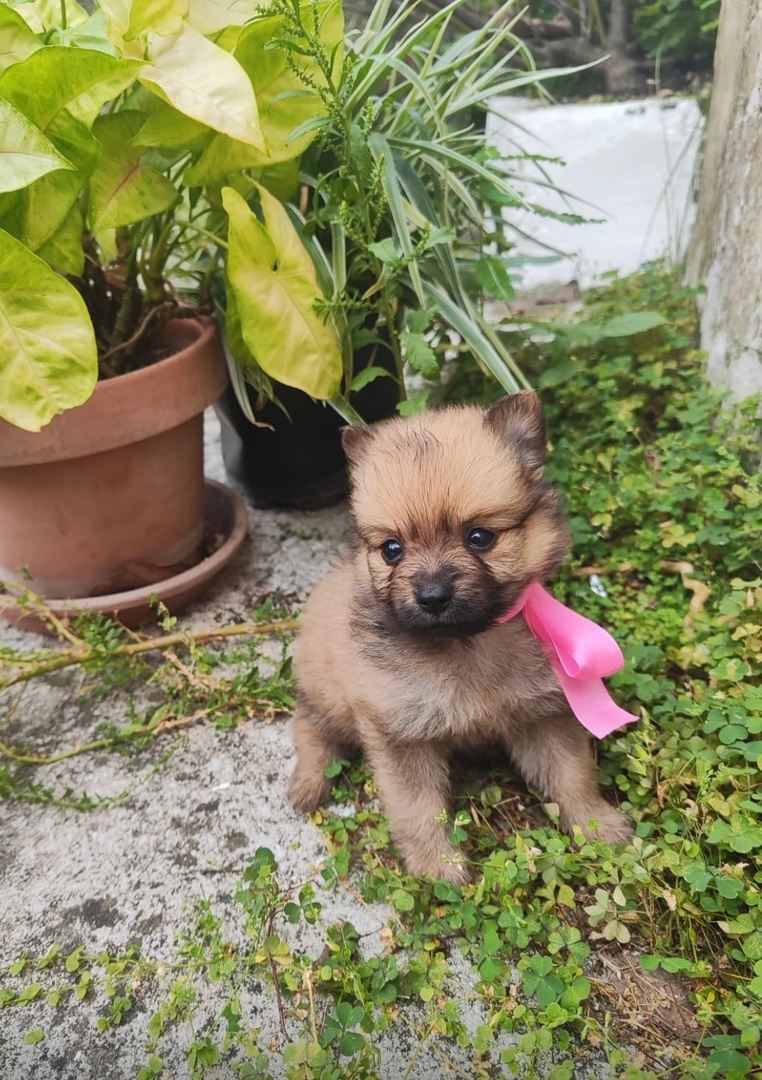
{"x": 581, "y": 652}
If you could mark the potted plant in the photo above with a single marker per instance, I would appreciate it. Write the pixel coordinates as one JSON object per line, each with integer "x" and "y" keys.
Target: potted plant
{"x": 398, "y": 193}
{"x": 130, "y": 140}
{"x": 150, "y": 152}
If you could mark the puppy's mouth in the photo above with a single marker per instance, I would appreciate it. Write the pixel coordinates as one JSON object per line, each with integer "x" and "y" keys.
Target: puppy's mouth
{"x": 460, "y": 619}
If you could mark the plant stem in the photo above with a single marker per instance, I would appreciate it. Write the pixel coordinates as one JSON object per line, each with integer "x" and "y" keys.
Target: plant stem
{"x": 154, "y": 271}
{"x": 205, "y": 232}
{"x": 72, "y": 657}
{"x": 83, "y": 748}
{"x": 105, "y": 743}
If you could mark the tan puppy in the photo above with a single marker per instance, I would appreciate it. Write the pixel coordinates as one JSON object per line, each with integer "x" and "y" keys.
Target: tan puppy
{"x": 399, "y": 655}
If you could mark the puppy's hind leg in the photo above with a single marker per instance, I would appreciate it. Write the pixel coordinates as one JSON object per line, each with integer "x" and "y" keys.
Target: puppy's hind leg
{"x": 316, "y": 748}
{"x": 554, "y": 756}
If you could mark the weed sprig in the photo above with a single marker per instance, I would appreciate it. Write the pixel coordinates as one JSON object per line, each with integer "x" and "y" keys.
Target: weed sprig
{"x": 191, "y": 680}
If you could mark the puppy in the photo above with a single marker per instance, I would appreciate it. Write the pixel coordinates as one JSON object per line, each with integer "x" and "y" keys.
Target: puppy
{"x": 399, "y": 653}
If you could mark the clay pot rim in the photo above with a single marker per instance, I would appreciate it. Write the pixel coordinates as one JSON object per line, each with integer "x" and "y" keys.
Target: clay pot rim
{"x": 131, "y": 407}
{"x": 129, "y": 605}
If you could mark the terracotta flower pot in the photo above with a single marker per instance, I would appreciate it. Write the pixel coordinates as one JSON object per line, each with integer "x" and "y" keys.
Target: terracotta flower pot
{"x": 110, "y": 495}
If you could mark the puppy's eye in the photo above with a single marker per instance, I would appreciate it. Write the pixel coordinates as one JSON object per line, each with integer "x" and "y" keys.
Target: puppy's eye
{"x": 480, "y": 539}
{"x": 392, "y": 551}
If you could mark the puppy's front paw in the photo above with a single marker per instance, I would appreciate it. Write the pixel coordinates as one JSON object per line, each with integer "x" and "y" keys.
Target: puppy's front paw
{"x": 456, "y": 873}
{"x": 308, "y": 789}
{"x": 444, "y": 866}
{"x": 613, "y": 826}
{"x": 616, "y": 829}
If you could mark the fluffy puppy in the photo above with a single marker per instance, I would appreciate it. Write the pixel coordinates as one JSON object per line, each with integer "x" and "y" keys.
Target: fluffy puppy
{"x": 399, "y": 654}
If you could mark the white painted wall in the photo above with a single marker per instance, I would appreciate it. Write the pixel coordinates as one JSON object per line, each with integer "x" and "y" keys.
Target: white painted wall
{"x": 630, "y": 164}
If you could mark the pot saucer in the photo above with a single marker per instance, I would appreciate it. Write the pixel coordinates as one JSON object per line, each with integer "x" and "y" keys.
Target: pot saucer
{"x": 224, "y": 516}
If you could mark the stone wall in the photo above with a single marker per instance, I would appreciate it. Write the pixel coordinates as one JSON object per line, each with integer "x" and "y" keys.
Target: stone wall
{"x": 725, "y": 252}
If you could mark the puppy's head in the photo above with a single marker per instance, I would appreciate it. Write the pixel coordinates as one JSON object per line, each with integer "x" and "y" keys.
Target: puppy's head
{"x": 453, "y": 515}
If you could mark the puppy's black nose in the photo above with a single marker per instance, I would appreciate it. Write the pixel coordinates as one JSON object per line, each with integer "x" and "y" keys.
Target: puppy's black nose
{"x": 434, "y": 597}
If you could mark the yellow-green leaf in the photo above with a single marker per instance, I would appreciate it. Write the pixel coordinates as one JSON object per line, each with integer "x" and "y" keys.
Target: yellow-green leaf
{"x": 226, "y": 39}
{"x": 275, "y": 287}
{"x": 25, "y": 153}
{"x": 59, "y": 79}
{"x": 163, "y": 17}
{"x": 62, "y": 90}
{"x": 75, "y": 141}
{"x": 122, "y": 189}
{"x": 281, "y": 180}
{"x": 117, "y": 20}
{"x": 10, "y": 211}
{"x": 43, "y": 15}
{"x": 205, "y": 83}
{"x": 171, "y": 130}
{"x": 211, "y": 16}
{"x": 92, "y": 34}
{"x": 48, "y": 356}
{"x": 47, "y": 202}
{"x": 46, "y": 205}
{"x": 63, "y": 250}
{"x": 285, "y": 101}
{"x": 237, "y": 347}
{"x": 17, "y": 41}
{"x": 221, "y": 157}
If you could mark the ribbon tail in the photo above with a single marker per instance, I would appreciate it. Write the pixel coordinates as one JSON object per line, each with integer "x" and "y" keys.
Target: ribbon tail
{"x": 592, "y": 704}
{"x": 581, "y": 652}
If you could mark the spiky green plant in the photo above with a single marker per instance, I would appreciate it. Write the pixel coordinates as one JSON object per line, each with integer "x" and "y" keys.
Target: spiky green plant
{"x": 399, "y": 185}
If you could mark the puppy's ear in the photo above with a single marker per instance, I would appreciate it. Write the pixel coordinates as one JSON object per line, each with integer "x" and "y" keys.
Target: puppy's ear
{"x": 520, "y": 422}
{"x": 355, "y": 439}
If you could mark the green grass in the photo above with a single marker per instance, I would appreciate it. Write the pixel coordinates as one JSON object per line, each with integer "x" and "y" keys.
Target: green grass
{"x": 649, "y": 956}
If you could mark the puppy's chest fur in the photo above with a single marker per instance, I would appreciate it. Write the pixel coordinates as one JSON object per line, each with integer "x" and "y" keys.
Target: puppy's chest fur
{"x": 461, "y": 690}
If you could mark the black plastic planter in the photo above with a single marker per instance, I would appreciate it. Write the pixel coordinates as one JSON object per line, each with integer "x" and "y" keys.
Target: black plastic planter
{"x": 297, "y": 461}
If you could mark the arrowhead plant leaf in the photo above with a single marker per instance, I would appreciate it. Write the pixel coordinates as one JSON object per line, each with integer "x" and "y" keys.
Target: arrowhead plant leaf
{"x": 90, "y": 34}
{"x": 169, "y": 129}
{"x": 47, "y": 202}
{"x": 163, "y": 17}
{"x": 221, "y": 157}
{"x": 204, "y": 82}
{"x": 61, "y": 90}
{"x": 16, "y": 38}
{"x": 63, "y": 249}
{"x": 275, "y": 286}
{"x": 122, "y": 189}
{"x": 42, "y": 15}
{"x": 284, "y": 100}
{"x": 48, "y": 356}
{"x": 211, "y": 16}
{"x": 58, "y": 79}
{"x": 25, "y": 153}
{"x": 45, "y": 207}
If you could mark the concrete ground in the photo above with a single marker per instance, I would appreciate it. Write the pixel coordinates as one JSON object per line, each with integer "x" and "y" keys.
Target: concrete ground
{"x": 124, "y": 875}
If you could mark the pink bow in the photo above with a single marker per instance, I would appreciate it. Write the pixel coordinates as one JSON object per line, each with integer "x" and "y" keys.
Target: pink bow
{"x": 581, "y": 652}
